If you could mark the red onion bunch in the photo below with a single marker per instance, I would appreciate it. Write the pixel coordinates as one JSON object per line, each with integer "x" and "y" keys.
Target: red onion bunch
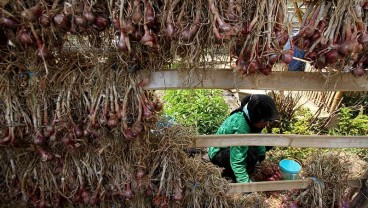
{"x": 267, "y": 171}
{"x": 259, "y": 41}
{"x": 333, "y": 35}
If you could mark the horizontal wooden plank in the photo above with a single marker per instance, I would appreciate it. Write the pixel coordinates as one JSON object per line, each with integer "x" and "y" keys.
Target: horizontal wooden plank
{"x": 269, "y": 186}
{"x": 280, "y": 185}
{"x": 282, "y": 140}
{"x": 277, "y": 80}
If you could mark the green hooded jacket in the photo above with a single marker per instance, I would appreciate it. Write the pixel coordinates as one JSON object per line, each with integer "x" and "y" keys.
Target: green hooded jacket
{"x": 236, "y": 124}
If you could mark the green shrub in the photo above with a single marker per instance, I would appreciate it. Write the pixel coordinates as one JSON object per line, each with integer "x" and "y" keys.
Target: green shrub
{"x": 204, "y": 109}
{"x": 352, "y": 124}
{"x": 349, "y": 124}
{"x": 300, "y": 123}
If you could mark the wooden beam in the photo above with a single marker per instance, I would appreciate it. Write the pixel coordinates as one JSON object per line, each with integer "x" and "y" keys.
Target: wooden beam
{"x": 280, "y": 185}
{"x": 282, "y": 140}
{"x": 277, "y": 80}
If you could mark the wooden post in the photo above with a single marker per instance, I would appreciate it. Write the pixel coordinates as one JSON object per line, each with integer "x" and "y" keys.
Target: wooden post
{"x": 361, "y": 199}
{"x": 336, "y": 101}
{"x": 329, "y": 102}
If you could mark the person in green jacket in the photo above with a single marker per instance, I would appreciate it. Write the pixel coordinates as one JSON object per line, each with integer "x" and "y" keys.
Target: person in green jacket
{"x": 255, "y": 113}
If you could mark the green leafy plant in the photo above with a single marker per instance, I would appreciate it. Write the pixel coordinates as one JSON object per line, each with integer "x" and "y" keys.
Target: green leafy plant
{"x": 349, "y": 124}
{"x": 300, "y": 123}
{"x": 204, "y": 109}
{"x": 353, "y": 124}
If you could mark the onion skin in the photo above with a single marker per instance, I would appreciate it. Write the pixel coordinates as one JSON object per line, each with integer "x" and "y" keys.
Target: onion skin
{"x": 316, "y": 36}
{"x": 50, "y": 129}
{"x": 312, "y": 55}
{"x": 253, "y": 67}
{"x": 33, "y": 13}
{"x": 41, "y": 204}
{"x": 61, "y": 21}
{"x": 113, "y": 121}
{"x": 116, "y": 24}
{"x": 127, "y": 192}
{"x": 93, "y": 200}
{"x": 43, "y": 53}
{"x": 44, "y": 20}
{"x": 39, "y": 139}
{"x": 306, "y": 43}
{"x": 283, "y": 38}
{"x": 101, "y": 23}
{"x": 346, "y": 48}
{"x": 86, "y": 197}
{"x": 137, "y": 13}
{"x": 359, "y": 71}
{"x": 287, "y": 56}
{"x": 169, "y": 32}
{"x": 159, "y": 106}
{"x": 178, "y": 197}
{"x": 308, "y": 32}
{"x": 78, "y": 132}
{"x": 230, "y": 13}
{"x": 140, "y": 174}
{"x": 129, "y": 27}
{"x": 332, "y": 56}
{"x": 129, "y": 134}
{"x": 44, "y": 155}
{"x": 9, "y": 22}
{"x": 267, "y": 70}
{"x": 150, "y": 15}
{"x": 122, "y": 44}
{"x": 147, "y": 38}
{"x": 80, "y": 21}
{"x": 273, "y": 58}
{"x": 24, "y": 37}
{"x": 6, "y": 140}
{"x": 90, "y": 17}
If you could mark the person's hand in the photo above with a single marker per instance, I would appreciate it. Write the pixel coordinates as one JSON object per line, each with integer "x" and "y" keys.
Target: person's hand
{"x": 261, "y": 158}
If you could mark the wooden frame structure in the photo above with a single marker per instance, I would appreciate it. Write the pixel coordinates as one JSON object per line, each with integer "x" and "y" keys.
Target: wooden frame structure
{"x": 282, "y": 185}
{"x": 282, "y": 140}
{"x": 277, "y": 80}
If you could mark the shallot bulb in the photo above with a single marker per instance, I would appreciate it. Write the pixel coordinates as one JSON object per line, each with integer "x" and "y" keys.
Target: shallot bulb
{"x": 287, "y": 56}
{"x": 24, "y": 37}
{"x": 44, "y": 20}
{"x": 90, "y": 17}
{"x": 80, "y": 21}
{"x": 332, "y": 56}
{"x": 101, "y": 23}
{"x": 359, "y": 71}
{"x": 61, "y": 21}
{"x": 33, "y": 13}
{"x": 43, "y": 53}
{"x": 9, "y": 22}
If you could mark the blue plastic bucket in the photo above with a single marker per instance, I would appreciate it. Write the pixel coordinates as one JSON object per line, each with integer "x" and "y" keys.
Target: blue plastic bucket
{"x": 290, "y": 169}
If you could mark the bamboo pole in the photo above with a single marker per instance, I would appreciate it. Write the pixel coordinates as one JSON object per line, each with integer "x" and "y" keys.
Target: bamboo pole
{"x": 336, "y": 101}
{"x": 329, "y": 101}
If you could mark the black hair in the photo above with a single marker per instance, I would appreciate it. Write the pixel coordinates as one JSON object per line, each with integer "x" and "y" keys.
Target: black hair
{"x": 260, "y": 108}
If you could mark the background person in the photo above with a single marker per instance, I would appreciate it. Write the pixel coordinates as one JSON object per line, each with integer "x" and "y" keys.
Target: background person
{"x": 254, "y": 114}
